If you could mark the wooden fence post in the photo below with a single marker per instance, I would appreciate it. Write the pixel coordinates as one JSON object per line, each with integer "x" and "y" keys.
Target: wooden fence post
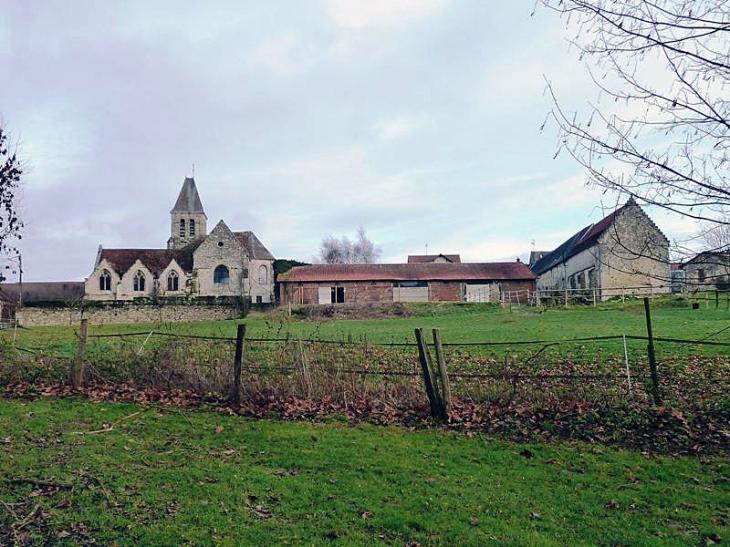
{"x": 428, "y": 376}
{"x": 236, "y": 392}
{"x": 652, "y": 357}
{"x": 77, "y": 373}
{"x": 717, "y": 299}
{"x": 443, "y": 375}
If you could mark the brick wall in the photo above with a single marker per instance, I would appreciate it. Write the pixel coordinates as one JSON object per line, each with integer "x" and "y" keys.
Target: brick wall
{"x": 130, "y": 313}
{"x": 445, "y": 291}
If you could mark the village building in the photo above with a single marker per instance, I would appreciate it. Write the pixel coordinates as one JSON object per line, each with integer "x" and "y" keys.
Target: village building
{"x": 439, "y": 258}
{"x": 221, "y": 263}
{"x": 414, "y": 282}
{"x": 623, "y": 253}
{"x": 15, "y": 295}
{"x": 708, "y": 271}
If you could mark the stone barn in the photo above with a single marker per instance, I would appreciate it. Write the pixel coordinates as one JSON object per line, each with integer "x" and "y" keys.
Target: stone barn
{"x": 623, "y": 253}
{"x": 415, "y": 282}
{"x": 707, "y": 271}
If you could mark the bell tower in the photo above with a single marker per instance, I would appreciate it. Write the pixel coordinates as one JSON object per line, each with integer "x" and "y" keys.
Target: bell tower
{"x": 187, "y": 218}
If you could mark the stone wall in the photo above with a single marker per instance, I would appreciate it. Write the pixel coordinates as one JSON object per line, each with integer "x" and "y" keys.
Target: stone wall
{"x": 128, "y": 313}
{"x": 445, "y": 291}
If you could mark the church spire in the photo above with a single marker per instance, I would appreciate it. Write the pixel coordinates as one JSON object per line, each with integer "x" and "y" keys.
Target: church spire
{"x": 188, "y": 219}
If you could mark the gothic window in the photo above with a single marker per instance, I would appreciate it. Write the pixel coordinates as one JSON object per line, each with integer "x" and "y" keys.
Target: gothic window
{"x": 182, "y": 227}
{"x": 173, "y": 281}
{"x": 221, "y": 276}
{"x": 192, "y": 227}
{"x": 263, "y": 275}
{"x": 105, "y": 281}
{"x": 139, "y": 282}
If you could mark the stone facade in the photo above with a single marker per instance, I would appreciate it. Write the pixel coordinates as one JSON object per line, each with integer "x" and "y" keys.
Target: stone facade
{"x": 624, "y": 253}
{"x": 707, "y": 271}
{"x": 126, "y": 313}
{"x": 195, "y": 263}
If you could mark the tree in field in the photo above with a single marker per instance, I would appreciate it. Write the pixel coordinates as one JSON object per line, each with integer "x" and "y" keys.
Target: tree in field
{"x": 343, "y": 251}
{"x": 663, "y": 136}
{"x": 10, "y": 173}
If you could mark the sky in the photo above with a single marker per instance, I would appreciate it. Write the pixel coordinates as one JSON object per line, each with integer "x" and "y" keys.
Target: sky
{"x": 418, "y": 120}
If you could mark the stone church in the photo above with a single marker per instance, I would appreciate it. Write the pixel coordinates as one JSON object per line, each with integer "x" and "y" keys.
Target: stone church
{"x": 195, "y": 263}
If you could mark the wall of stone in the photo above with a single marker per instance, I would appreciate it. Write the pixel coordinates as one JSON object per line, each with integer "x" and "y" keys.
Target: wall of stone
{"x": 445, "y": 291}
{"x": 129, "y": 313}
{"x": 221, "y": 247}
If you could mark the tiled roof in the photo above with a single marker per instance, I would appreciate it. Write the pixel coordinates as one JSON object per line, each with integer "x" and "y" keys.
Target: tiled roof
{"x": 423, "y": 259}
{"x": 156, "y": 260}
{"x": 486, "y": 271}
{"x": 579, "y": 241}
{"x": 256, "y": 249}
{"x": 43, "y": 291}
{"x": 188, "y": 201}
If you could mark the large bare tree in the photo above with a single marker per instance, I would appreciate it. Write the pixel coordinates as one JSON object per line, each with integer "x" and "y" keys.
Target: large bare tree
{"x": 10, "y": 223}
{"x": 664, "y": 135}
{"x": 343, "y": 251}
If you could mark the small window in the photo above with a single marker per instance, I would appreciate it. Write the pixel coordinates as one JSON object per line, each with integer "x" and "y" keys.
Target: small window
{"x": 259, "y": 299}
{"x": 701, "y": 274}
{"x": 192, "y": 227}
{"x": 263, "y": 275}
{"x": 139, "y": 282}
{"x": 338, "y": 295}
{"x": 182, "y": 227}
{"x": 173, "y": 281}
{"x": 221, "y": 276}
{"x": 105, "y": 281}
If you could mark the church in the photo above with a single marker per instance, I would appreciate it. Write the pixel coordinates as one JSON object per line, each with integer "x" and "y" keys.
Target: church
{"x": 195, "y": 263}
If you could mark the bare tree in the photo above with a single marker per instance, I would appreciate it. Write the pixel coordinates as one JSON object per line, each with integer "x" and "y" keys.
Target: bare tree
{"x": 715, "y": 236}
{"x": 664, "y": 138}
{"x": 343, "y": 251}
{"x": 10, "y": 173}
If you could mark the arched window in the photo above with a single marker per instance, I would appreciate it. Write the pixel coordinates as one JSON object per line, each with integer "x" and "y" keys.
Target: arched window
{"x": 192, "y": 227}
{"x": 105, "y": 281}
{"x": 139, "y": 281}
{"x": 182, "y": 227}
{"x": 221, "y": 276}
{"x": 263, "y": 275}
{"x": 173, "y": 281}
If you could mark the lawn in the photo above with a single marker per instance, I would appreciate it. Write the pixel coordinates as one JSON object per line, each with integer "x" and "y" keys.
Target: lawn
{"x": 76, "y": 471}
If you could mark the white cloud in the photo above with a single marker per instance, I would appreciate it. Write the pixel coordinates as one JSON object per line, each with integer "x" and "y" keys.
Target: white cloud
{"x": 398, "y": 128}
{"x": 359, "y": 14}
{"x": 282, "y": 54}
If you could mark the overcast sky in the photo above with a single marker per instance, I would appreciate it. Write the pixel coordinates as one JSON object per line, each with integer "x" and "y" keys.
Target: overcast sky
{"x": 417, "y": 119}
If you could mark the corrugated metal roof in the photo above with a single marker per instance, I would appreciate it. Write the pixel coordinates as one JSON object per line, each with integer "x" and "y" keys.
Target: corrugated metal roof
{"x": 188, "y": 201}
{"x": 485, "y": 271}
{"x": 253, "y": 245}
{"x": 423, "y": 259}
{"x": 43, "y": 291}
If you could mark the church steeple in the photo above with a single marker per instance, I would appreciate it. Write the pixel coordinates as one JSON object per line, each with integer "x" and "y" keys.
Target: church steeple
{"x": 187, "y": 217}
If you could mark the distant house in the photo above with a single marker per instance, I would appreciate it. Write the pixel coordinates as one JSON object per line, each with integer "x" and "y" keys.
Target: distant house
{"x": 707, "y": 271}
{"x": 625, "y": 252}
{"x": 439, "y": 258}
{"x": 415, "y": 282}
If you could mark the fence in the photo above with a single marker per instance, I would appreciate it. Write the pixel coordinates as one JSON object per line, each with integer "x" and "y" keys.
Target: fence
{"x": 590, "y": 295}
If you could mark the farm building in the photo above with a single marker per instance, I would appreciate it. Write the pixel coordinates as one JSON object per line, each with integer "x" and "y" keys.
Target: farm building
{"x": 707, "y": 271}
{"x": 419, "y": 282}
{"x": 196, "y": 263}
{"x": 440, "y": 258}
{"x": 12, "y": 295}
{"x": 623, "y": 253}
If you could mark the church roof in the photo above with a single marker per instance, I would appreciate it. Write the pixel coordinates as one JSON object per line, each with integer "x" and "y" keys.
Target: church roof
{"x": 156, "y": 260}
{"x": 188, "y": 201}
{"x": 256, "y": 249}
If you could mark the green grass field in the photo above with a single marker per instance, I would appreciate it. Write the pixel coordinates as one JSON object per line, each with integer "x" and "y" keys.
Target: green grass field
{"x": 672, "y": 318}
{"x": 76, "y": 472}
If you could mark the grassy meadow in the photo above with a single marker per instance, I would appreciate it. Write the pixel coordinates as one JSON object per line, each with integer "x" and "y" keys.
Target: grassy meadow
{"x": 77, "y": 472}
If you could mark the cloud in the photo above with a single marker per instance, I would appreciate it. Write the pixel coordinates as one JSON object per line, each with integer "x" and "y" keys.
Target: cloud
{"x": 281, "y": 54}
{"x": 359, "y": 14}
{"x": 398, "y": 127}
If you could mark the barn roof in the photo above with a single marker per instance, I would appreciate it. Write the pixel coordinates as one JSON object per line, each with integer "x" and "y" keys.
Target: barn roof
{"x": 580, "y": 241}
{"x": 156, "y": 260}
{"x": 43, "y": 291}
{"x": 422, "y": 259}
{"x": 253, "y": 245}
{"x": 433, "y": 271}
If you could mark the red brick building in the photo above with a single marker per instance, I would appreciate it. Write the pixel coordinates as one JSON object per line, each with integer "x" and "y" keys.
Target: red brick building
{"x": 415, "y": 282}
